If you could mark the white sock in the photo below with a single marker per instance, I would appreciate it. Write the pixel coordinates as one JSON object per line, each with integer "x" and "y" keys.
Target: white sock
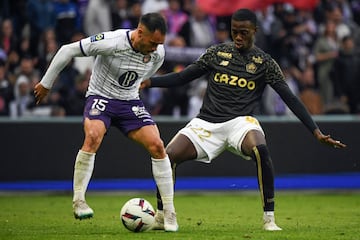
{"x": 269, "y": 213}
{"x": 162, "y": 173}
{"x": 84, "y": 165}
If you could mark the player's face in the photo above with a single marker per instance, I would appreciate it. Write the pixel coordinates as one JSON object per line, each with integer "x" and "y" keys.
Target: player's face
{"x": 243, "y": 34}
{"x": 148, "y": 41}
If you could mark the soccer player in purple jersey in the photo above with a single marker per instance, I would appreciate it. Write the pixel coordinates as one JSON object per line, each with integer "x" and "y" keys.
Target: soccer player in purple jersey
{"x": 124, "y": 58}
{"x": 237, "y": 74}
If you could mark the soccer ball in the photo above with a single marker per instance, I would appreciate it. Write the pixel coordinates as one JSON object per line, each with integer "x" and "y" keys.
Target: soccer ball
{"x": 137, "y": 215}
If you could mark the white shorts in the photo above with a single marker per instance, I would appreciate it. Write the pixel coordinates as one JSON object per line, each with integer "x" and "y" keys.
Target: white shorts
{"x": 211, "y": 139}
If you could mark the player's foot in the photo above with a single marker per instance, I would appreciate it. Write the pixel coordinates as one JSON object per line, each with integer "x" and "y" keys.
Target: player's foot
{"x": 82, "y": 210}
{"x": 170, "y": 223}
{"x": 269, "y": 223}
{"x": 159, "y": 220}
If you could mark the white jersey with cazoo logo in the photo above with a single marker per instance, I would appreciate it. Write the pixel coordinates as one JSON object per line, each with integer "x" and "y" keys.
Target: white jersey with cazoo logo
{"x": 118, "y": 69}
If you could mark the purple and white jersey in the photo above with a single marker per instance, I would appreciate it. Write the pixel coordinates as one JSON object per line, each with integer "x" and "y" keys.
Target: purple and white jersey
{"x": 118, "y": 69}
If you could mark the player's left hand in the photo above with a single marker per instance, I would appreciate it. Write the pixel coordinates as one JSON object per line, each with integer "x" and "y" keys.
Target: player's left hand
{"x": 326, "y": 139}
{"x": 145, "y": 84}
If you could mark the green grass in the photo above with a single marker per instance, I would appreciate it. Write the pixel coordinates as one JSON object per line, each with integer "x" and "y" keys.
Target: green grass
{"x": 217, "y": 216}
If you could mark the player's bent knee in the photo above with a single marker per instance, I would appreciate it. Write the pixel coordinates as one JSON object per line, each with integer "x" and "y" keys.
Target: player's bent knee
{"x": 156, "y": 148}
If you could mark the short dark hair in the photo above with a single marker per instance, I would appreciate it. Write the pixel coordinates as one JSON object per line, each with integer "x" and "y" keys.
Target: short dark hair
{"x": 245, "y": 14}
{"x": 154, "y": 21}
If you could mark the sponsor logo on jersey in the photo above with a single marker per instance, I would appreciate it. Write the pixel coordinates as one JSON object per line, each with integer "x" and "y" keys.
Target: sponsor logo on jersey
{"x": 224, "y": 63}
{"x": 146, "y": 58}
{"x": 128, "y": 79}
{"x": 224, "y": 55}
{"x": 251, "y": 67}
{"x": 235, "y": 81}
{"x": 257, "y": 59}
{"x": 97, "y": 37}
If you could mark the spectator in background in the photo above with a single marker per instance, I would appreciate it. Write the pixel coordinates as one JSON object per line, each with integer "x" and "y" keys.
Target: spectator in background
{"x": 148, "y": 6}
{"x": 135, "y": 13}
{"x": 175, "y": 102}
{"x": 8, "y": 39}
{"x": 27, "y": 68}
{"x": 199, "y": 30}
{"x": 97, "y": 17}
{"x": 24, "y": 48}
{"x": 126, "y": 14}
{"x": 119, "y": 15}
{"x": 346, "y": 75}
{"x": 266, "y": 18}
{"x": 41, "y": 16}
{"x": 344, "y": 27}
{"x": 67, "y": 20}
{"x": 176, "y": 18}
{"x": 6, "y": 91}
{"x": 48, "y": 46}
{"x": 64, "y": 86}
{"x": 222, "y": 33}
{"x": 325, "y": 51}
{"x": 19, "y": 107}
{"x": 272, "y": 102}
{"x": 309, "y": 93}
{"x": 75, "y": 103}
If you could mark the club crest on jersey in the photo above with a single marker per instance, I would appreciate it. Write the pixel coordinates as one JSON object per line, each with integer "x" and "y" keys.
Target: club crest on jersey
{"x": 94, "y": 112}
{"x": 251, "y": 67}
{"x": 146, "y": 58}
{"x": 97, "y": 37}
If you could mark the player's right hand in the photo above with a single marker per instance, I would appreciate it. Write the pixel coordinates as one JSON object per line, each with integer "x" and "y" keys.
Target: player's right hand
{"x": 40, "y": 92}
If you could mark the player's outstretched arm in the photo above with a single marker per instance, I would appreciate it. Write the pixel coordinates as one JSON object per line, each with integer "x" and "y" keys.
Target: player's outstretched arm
{"x": 60, "y": 60}
{"x": 326, "y": 139}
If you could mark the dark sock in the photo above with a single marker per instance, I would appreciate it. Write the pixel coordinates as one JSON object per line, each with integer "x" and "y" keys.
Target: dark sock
{"x": 265, "y": 174}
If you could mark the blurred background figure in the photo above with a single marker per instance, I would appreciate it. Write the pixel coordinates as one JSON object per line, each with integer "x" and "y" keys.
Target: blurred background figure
{"x": 6, "y": 91}
{"x": 199, "y": 29}
{"x": 97, "y": 17}
{"x": 326, "y": 51}
{"x": 153, "y": 5}
{"x": 68, "y": 20}
{"x": 20, "y": 106}
{"x": 346, "y": 75}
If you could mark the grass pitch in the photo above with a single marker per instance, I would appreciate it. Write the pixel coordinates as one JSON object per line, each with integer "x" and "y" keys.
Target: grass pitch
{"x": 201, "y": 216}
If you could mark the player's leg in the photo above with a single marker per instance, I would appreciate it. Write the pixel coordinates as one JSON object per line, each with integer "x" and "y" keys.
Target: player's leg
{"x": 179, "y": 150}
{"x": 149, "y": 137}
{"x": 254, "y": 145}
{"x": 84, "y": 165}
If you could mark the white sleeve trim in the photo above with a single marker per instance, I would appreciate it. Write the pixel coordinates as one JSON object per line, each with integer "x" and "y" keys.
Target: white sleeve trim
{"x": 59, "y": 62}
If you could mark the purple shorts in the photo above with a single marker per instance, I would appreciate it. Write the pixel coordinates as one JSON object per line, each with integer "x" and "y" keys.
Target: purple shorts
{"x": 124, "y": 115}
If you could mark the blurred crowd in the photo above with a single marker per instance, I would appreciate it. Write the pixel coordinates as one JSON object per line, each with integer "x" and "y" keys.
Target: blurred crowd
{"x": 318, "y": 50}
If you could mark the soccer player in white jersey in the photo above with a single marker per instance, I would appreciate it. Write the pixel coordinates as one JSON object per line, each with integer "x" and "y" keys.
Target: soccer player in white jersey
{"x": 124, "y": 58}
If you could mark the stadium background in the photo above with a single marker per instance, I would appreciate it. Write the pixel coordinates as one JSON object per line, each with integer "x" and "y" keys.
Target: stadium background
{"x": 38, "y": 147}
